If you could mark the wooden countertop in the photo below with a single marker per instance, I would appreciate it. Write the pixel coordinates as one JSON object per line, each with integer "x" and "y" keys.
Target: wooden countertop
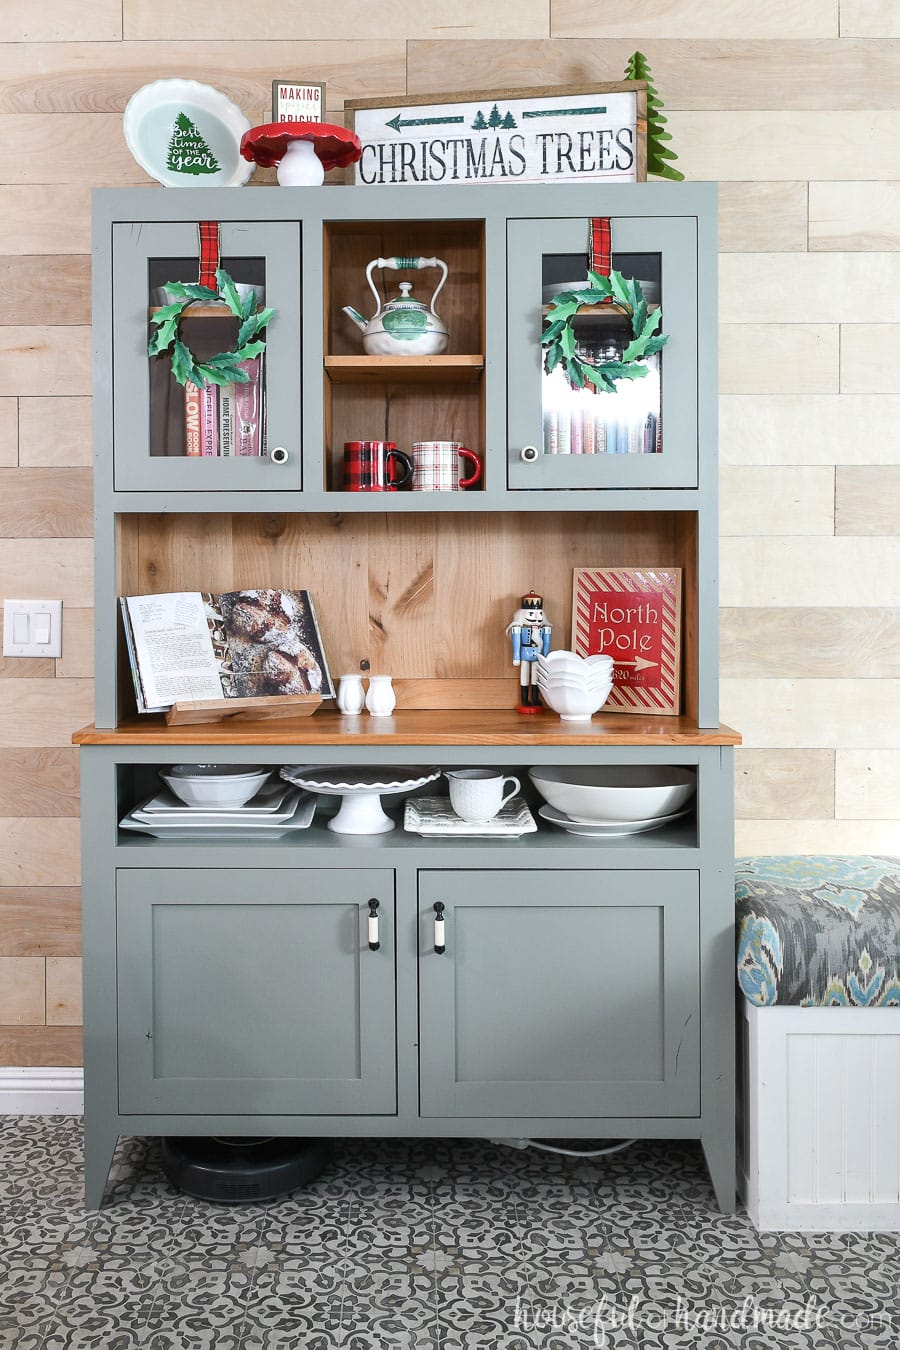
{"x": 473, "y": 726}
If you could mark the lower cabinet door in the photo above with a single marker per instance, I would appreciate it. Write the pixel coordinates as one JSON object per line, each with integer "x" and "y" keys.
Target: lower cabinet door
{"x": 559, "y": 993}
{"x": 255, "y": 992}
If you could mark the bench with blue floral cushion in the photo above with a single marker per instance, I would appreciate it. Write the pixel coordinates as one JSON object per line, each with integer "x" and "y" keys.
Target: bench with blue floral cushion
{"x": 818, "y": 931}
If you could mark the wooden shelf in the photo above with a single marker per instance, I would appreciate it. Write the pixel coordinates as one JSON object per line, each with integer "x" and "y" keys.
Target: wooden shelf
{"x": 603, "y": 311}
{"x": 474, "y": 727}
{"x": 404, "y": 369}
{"x": 202, "y": 311}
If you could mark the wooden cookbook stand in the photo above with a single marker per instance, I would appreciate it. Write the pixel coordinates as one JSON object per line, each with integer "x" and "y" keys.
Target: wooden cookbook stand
{"x": 242, "y": 709}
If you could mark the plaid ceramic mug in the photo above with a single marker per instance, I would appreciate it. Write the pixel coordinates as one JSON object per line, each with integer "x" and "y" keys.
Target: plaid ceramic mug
{"x": 375, "y": 466}
{"x": 436, "y": 466}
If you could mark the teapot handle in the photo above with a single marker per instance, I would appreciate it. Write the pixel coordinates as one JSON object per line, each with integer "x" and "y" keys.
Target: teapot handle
{"x": 404, "y": 264}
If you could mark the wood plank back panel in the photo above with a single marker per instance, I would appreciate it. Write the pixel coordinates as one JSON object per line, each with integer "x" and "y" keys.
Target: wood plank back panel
{"x": 419, "y": 596}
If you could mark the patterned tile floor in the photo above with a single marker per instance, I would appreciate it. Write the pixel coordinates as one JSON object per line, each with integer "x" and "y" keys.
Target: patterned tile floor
{"x": 431, "y": 1245}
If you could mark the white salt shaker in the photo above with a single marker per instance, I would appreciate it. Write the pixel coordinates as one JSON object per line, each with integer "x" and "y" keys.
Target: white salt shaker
{"x": 351, "y": 697}
{"x": 380, "y": 697}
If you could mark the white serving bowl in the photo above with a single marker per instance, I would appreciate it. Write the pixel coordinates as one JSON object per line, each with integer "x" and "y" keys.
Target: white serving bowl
{"x": 206, "y": 771}
{"x": 205, "y": 785}
{"x": 571, "y": 702}
{"x": 574, "y": 681}
{"x": 575, "y": 705}
{"x": 597, "y": 693}
{"x": 564, "y": 660}
{"x": 597, "y": 793}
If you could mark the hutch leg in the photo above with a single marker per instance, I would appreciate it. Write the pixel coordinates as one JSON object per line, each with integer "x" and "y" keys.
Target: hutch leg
{"x": 99, "y": 1146}
{"x": 721, "y": 1160}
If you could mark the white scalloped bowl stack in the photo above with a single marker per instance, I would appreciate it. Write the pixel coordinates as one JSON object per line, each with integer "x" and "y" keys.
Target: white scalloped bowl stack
{"x": 574, "y": 686}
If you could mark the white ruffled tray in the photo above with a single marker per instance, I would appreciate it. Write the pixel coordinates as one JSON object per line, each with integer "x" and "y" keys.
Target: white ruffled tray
{"x": 435, "y": 816}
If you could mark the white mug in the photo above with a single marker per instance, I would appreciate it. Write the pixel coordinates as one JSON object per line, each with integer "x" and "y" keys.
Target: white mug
{"x": 436, "y": 466}
{"x": 476, "y": 795}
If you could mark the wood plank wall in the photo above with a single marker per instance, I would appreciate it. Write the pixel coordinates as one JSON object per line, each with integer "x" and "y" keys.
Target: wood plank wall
{"x": 793, "y": 106}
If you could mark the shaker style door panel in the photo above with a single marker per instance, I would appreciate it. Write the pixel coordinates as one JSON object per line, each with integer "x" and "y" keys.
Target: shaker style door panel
{"x": 644, "y": 435}
{"x": 219, "y": 439}
{"x": 560, "y": 994}
{"x": 255, "y": 992}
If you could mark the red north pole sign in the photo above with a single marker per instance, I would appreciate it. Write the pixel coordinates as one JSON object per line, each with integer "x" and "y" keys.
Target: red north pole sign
{"x": 634, "y": 616}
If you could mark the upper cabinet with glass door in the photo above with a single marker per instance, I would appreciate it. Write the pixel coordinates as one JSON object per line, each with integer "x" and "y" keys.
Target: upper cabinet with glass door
{"x": 236, "y": 435}
{"x": 643, "y": 431}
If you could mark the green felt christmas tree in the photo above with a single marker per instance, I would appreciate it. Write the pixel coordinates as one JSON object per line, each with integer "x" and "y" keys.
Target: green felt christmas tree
{"x": 658, "y": 153}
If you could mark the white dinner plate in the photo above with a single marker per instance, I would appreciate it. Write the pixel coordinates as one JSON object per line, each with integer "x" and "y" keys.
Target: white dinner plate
{"x": 274, "y": 801}
{"x": 602, "y": 829}
{"x": 301, "y": 818}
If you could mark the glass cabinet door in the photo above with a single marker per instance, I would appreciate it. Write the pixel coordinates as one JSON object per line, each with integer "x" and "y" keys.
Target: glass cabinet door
{"x": 642, "y": 434}
{"x": 206, "y": 437}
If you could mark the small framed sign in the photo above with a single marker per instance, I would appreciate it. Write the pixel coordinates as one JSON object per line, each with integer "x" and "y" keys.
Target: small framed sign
{"x": 634, "y": 616}
{"x": 587, "y": 134}
{"x": 297, "y": 101}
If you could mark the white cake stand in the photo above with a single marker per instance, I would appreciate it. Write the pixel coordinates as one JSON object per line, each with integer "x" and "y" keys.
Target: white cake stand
{"x": 360, "y": 791}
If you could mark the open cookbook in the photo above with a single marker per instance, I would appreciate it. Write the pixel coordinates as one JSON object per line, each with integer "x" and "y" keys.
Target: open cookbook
{"x": 191, "y": 646}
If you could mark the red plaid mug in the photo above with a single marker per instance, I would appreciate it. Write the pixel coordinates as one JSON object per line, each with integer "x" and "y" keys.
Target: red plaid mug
{"x": 375, "y": 466}
{"x": 436, "y": 466}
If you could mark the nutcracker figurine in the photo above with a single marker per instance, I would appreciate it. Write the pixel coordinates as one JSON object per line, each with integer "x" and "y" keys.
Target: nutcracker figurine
{"x": 530, "y": 632}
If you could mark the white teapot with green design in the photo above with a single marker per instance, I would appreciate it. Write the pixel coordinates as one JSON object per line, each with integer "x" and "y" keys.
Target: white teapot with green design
{"x": 402, "y": 326}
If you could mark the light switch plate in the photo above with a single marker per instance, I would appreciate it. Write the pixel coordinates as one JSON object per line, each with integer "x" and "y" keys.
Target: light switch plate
{"x": 27, "y": 621}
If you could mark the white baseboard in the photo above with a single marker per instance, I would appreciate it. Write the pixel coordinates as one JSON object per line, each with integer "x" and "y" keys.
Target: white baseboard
{"x": 41, "y": 1092}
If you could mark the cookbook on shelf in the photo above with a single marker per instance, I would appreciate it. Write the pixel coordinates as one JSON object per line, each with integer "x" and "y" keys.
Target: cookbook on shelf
{"x": 193, "y": 645}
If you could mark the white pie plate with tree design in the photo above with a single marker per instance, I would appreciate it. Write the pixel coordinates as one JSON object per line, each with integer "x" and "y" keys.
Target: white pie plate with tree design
{"x": 186, "y": 134}
{"x": 360, "y": 791}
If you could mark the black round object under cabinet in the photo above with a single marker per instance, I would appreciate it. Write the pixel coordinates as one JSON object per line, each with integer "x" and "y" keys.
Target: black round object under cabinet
{"x": 241, "y": 1171}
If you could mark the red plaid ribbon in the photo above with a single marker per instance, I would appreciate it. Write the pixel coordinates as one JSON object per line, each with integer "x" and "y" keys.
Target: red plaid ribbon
{"x": 601, "y": 249}
{"x": 208, "y": 230}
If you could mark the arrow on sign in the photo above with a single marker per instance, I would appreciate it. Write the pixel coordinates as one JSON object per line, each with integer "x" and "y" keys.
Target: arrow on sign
{"x": 398, "y": 122}
{"x": 562, "y": 112}
{"x": 639, "y": 663}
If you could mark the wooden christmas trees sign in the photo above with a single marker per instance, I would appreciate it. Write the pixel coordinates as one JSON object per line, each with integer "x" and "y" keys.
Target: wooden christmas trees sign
{"x": 634, "y": 616}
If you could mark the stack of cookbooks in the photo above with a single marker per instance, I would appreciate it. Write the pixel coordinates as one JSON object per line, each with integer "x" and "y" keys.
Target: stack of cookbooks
{"x": 225, "y": 420}
{"x": 212, "y": 420}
